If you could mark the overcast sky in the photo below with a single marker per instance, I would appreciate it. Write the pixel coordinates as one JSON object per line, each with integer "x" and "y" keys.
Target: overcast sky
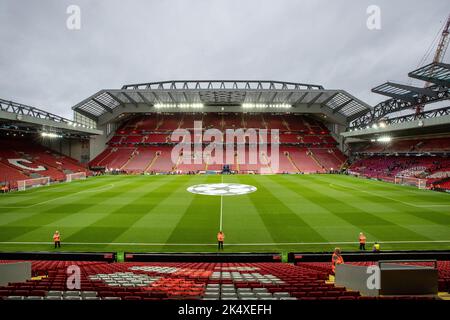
{"x": 44, "y": 64}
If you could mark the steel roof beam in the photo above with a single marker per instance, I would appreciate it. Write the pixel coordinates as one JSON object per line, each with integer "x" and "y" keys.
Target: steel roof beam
{"x": 86, "y": 114}
{"x": 313, "y": 100}
{"x": 431, "y": 72}
{"x": 392, "y": 105}
{"x": 403, "y": 97}
{"x": 222, "y": 84}
{"x": 101, "y": 104}
{"x": 299, "y": 100}
{"x": 421, "y": 91}
{"x": 146, "y": 101}
{"x": 120, "y": 102}
{"x": 273, "y": 97}
{"x": 132, "y": 101}
{"x": 325, "y": 102}
{"x": 342, "y": 105}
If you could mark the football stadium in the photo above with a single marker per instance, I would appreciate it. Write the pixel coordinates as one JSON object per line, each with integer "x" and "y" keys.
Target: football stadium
{"x": 230, "y": 190}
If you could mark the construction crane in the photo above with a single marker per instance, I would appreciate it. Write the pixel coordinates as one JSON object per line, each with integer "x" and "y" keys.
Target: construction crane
{"x": 439, "y": 54}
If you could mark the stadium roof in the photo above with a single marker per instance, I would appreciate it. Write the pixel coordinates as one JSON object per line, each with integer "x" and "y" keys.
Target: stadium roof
{"x": 438, "y": 73}
{"x": 407, "y": 97}
{"x": 223, "y": 93}
{"x": 16, "y": 116}
{"x": 436, "y": 121}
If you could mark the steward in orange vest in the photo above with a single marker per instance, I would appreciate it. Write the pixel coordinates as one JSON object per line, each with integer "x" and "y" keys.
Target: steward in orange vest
{"x": 362, "y": 241}
{"x": 336, "y": 259}
{"x": 220, "y": 238}
{"x": 57, "y": 239}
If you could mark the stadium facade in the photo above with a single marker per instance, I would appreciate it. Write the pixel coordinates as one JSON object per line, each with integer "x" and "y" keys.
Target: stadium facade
{"x": 135, "y": 130}
{"x": 318, "y": 130}
{"x": 109, "y": 108}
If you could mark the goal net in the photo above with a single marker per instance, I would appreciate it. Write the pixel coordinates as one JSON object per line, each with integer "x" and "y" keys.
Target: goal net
{"x": 411, "y": 181}
{"x": 75, "y": 176}
{"x": 31, "y": 183}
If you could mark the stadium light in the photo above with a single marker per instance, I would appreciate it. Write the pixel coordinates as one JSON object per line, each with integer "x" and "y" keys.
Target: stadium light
{"x": 179, "y": 105}
{"x": 50, "y": 135}
{"x": 382, "y": 125}
{"x": 384, "y": 139}
{"x": 374, "y": 126}
{"x": 264, "y": 105}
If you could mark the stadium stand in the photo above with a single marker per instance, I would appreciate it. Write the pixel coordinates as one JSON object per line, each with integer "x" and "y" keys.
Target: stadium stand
{"x": 195, "y": 280}
{"x": 141, "y": 158}
{"x": 306, "y": 145}
{"x": 20, "y": 160}
{"x": 442, "y": 266}
{"x": 410, "y": 146}
{"x": 432, "y": 168}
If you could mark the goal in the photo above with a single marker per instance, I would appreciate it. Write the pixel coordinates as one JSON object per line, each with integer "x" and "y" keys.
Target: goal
{"x": 75, "y": 176}
{"x": 32, "y": 183}
{"x": 411, "y": 181}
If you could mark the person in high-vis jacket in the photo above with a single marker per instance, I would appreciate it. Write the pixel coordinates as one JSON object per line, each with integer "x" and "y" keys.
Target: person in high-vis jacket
{"x": 376, "y": 247}
{"x": 57, "y": 239}
{"x": 362, "y": 241}
{"x": 220, "y": 238}
{"x": 336, "y": 259}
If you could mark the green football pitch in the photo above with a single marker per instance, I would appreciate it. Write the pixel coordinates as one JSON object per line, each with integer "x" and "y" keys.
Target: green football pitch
{"x": 285, "y": 213}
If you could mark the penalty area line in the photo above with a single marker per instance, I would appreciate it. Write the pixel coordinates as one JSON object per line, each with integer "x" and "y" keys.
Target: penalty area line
{"x": 392, "y": 199}
{"x": 90, "y": 190}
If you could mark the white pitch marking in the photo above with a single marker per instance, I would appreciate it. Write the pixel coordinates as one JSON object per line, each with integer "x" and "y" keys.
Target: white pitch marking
{"x": 101, "y": 188}
{"x": 221, "y": 209}
{"x": 53, "y": 199}
{"x": 214, "y": 244}
{"x": 393, "y": 199}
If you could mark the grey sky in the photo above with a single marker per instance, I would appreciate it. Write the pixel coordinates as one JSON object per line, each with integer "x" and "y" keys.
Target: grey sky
{"x": 44, "y": 64}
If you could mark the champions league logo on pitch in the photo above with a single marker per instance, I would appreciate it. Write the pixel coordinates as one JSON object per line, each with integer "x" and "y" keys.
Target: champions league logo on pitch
{"x": 222, "y": 189}
{"x": 234, "y": 146}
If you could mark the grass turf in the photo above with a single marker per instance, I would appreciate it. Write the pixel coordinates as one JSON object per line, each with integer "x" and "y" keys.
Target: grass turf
{"x": 286, "y": 213}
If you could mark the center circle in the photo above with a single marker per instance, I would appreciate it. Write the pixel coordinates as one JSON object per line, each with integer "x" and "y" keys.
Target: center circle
{"x": 221, "y": 189}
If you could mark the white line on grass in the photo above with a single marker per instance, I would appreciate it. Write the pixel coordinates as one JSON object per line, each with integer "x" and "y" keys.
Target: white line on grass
{"x": 221, "y": 210}
{"x": 101, "y": 188}
{"x": 221, "y": 213}
{"x": 65, "y": 196}
{"x": 214, "y": 244}
{"x": 393, "y": 199}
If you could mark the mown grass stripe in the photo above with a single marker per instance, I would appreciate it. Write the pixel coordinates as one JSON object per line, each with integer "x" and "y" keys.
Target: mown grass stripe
{"x": 365, "y": 220}
{"x": 241, "y": 219}
{"x": 283, "y": 224}
{"x": 422, "y": 213}
{"x": 124, "y": 216}
{"x": 330, "y": 226}
{"x": 200, "y": 220}
{"x": 23, "y": 199}
{"x": 41, "y": 218}
{"x": 160, "y": 221}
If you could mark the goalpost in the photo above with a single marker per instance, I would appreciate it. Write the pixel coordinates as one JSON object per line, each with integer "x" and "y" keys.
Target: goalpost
{"x": 75, "y": 176}
{"x": 31, "y": 183}
{"x": 411, "y": 181}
